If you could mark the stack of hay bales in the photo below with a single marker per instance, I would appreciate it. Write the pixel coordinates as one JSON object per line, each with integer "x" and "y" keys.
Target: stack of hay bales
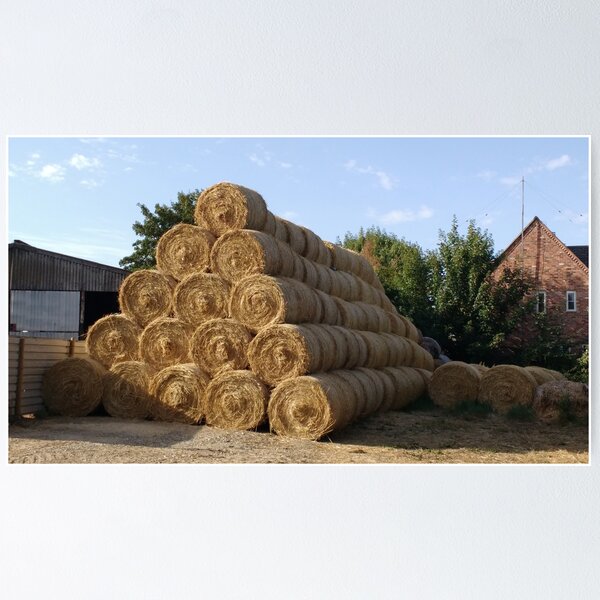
{"x": 247, "y": 317}
{"x": 504, "y": 388}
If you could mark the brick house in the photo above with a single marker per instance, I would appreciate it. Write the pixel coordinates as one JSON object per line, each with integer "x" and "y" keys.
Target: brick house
{"x": 560, "y": 273}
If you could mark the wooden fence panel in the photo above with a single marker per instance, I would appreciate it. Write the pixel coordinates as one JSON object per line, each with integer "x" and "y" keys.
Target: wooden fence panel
{"x": 38, "y": 355}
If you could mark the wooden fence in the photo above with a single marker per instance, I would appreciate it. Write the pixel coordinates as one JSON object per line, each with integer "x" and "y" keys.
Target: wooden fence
{"x": 28, "y": 359}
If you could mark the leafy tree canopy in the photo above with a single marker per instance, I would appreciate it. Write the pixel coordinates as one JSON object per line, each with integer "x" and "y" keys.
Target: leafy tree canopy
{"x": 154, "y": 224}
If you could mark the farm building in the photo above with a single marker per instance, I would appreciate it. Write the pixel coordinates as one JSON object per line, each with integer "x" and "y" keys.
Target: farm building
{"x": 53, "y": 295}
{"x": 561, "y": 276}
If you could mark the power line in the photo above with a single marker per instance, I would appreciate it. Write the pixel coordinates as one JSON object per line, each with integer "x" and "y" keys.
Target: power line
{"x": 554, "y": 202}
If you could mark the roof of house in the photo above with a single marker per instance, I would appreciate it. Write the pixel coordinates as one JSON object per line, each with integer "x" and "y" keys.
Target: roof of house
{"x": 582, "y": 253}
{"x": 578, "y": 254}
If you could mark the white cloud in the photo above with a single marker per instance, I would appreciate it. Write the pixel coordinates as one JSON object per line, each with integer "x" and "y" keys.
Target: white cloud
{"x": 285, "y": 165}
{"x": 385, "y": 180}
{"x": 79, "y": 161}
{"x": 557, "y": 163}
{"x": 289, "y": 215}
{"x": 404, "y": 216}
{"x": 509, "y": 180}
{"x": 486, "y": 174}
{"x": 257, "y": 160}
{"x": 128, "y": 169}
{"x": 53, "y": 173}
{"x": 89, "y": 183}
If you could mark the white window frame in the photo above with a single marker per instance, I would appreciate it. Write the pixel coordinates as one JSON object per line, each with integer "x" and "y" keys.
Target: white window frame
{"x": 574, "y": 309}
{"x": 537, "y": 302}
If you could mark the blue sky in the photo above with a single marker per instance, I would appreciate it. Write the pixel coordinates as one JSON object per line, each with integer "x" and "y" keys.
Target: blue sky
{"x": 79, "y": 196}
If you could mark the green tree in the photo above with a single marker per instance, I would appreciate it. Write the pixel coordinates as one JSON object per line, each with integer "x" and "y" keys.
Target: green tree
{"x": 403, "y": 269}
{"x": 154, "y": 224}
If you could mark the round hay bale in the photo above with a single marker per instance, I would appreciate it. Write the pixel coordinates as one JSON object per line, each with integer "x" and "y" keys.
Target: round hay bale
{"x": 238, "y": 254}
{"x": 178, "y": 394}
{"x": 454, "y": 383}
{"x": 324, "y": 278}
{"x": 146, "y": 295}
{"x": 389, "y": 390}
{"x": 260, "y": 300}
{"x": 406, "y": 389}
{"x": 310, "y": 275}
{"x": 113, "y": 339}
{"x": 219, "y": 345}
{"x": 557, "y": 399}
{"x": 280, "y": 352}
{"x": 126, "y": 390}
{"x": 165, "y": 342}
{"x": 314, "y": 248}
{"x": 72, "y": 387}
{"x": 506, "y": 386}
{"x": 376, "y": 318}
{"x": 378, "y": 352}
{"x": 183, "y": 249}
{"x": 348, "y": 287}
{"x": 374, "y": 399}
{"x": 397, "y": 325}
{"x": 270, "y": 225}
{"x": 481, "y": 368}
{"x": 411, "y": 331}
{"x": 281, "y": 232}
{"x": 543, "y": 375}
{"x": 225, "y": 207}
{"x": 236, "y": 400}
{"x": 311, "y": 406}
{"x": 295, "y": 237}
{"x": 330, "y": 314}
{"x": 200, "y": 297}
{"x": 426, "y": 376}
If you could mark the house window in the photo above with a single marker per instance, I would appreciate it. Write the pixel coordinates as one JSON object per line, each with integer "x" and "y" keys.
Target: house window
{"x": 541, "y": 302}
{"x": 571, "y": 301}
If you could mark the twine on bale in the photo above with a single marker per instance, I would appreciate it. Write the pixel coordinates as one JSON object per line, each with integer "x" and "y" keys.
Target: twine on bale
{"x": 241, "y": 253}
{"x": 113, "y": 339}
{"x": 506, "y": 386}
{"x": 560, "y": 399}
{"x": 260, "y": 300}
{"x": 126, "y": 390}
{"x": 184, "y": 249}
{"x": 201, "y": 297}
{"x": 166, "y": 341}
{"x": 454, "y": 383}
{"x": 146, "y": 295}
{"x": 72, "y": 387}
{"x": 178, "y": 394}
{"x": 236, "y": 400}
{"x": 225, "y": 207}
{"x": 220, "y": 344}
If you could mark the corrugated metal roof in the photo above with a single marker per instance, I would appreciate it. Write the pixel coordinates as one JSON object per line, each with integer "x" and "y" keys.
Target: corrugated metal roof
{"x": 31, "y": 268}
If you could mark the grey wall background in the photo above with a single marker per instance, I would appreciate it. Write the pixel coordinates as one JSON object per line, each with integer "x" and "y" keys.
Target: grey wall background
{"x": 312, "y": 67}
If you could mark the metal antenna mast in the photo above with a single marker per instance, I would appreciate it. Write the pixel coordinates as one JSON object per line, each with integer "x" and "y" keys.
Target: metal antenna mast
{"x": 522, "y": 221}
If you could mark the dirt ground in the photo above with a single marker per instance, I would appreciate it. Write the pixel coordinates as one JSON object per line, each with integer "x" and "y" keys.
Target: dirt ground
{"x": 424, "y": 436}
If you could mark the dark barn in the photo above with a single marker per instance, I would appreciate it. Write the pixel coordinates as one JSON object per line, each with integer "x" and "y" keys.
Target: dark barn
{"x": 57, "y": 296}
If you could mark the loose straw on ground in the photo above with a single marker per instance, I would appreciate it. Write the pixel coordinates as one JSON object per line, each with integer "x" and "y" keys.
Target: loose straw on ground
{"x": 126, "y": 390}
{"x": 72, "y": 387}
{"x": 236, "y": 400}
{"x": 220, "y": 344}
{"x": 146, "y": 295}
{"x": 201, "y": 297}
{"x": 184, "y": 249}
{"x": 178, "y": 394}
{"x": 113, "y": 339}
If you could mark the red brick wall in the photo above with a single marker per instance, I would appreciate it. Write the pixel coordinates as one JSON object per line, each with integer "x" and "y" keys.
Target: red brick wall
{"x": 555, "y": 271}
